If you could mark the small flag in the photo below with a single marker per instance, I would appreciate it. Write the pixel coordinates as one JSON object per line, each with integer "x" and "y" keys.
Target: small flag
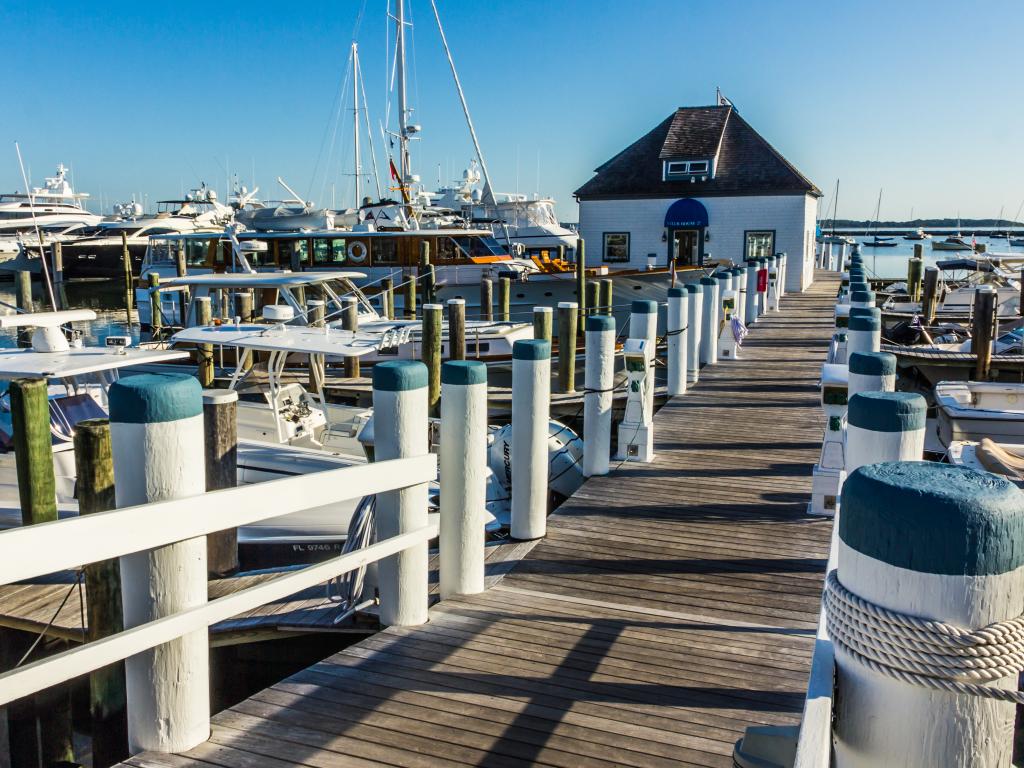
{"x": 394, "y": 170}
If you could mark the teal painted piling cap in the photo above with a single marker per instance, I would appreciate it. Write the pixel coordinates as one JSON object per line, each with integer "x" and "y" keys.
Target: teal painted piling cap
{"x": 752, "y": 263}
{"x": 862, "y": 295}
{"x": 873, "y": 363}
{"x": 676, "y": 290}
{"x": 644, "y": 307}
{"x": 531, "y": 349}
{"x": 933, "y": 518}
{"x": 602, "y": 323}
{"x": 723, "y": 276}
{"x": 399, "y": 375}
{"x": 149, "y": 398}
{"x": 691, "y": 288}
{"x": 861, "y": 323}
{"x": 464, "y": 372}
{"x": 887, "y": 411}
{"x": 865, "y": 312}
{"x": 708, "y": 281}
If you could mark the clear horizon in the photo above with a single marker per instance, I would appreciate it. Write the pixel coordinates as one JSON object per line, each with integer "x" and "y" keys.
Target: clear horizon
{"x": 151, "y": 101}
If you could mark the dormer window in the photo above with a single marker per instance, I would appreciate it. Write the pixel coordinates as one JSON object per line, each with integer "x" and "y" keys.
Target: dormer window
{"x": 683, "y": 169}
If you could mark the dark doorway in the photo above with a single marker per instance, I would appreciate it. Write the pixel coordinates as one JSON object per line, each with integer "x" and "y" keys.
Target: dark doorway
{"x": 686, "y": 247}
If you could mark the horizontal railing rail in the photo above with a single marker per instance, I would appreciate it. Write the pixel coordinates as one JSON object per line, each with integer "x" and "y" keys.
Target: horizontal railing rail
{"x": 69, "y": 543}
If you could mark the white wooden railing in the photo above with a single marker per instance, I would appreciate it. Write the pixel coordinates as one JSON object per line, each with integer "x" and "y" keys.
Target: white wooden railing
{"x": 34, "y": 551}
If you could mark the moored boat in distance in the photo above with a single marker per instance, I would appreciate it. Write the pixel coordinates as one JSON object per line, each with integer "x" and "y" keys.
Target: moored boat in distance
{"x": 918, "y": 234}
{"x": 952, "y": 243}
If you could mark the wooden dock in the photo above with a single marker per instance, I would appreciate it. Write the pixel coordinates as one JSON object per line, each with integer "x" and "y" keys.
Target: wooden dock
{"x": 670, "y": 606}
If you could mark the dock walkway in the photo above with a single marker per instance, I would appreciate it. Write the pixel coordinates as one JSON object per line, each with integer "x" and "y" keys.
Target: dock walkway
{"x": 670, "y": 606}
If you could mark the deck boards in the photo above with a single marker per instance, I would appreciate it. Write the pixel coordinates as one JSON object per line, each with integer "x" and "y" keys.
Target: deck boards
{"x": 670, "y": 606}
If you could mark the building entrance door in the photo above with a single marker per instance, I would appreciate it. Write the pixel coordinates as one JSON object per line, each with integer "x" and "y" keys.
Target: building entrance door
{"x": 686, "y": 247}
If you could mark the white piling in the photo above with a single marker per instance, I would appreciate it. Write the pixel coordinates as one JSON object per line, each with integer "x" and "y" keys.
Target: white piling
{"x": 782, "y": 274}
{"x": 762, "y": 286}
{"x": 864, "y": 333}
{"x": 677, "y": 330}
{"x": 531, "y": 399}
{"x": 872, "y": 372}
{"x": 599, "y": 378}
{"x": 938, "y": 543}
{"x": 400, "y": 431}
{"x": 709, "y": 321}
{"x": 750, "y": 311}
{"x": 694, "y": 312}
{"x": 884, "y": 426}
{"x": 773, "y": 284}
{"x": 156, "y": 435}
{"x": 643, "y": 324}
{"x": 739, "y": 283}
{"x": 826, "y": 255}
{"x": 463, "y": 472}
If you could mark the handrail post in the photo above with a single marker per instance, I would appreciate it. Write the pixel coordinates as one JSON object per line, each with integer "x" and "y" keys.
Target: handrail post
{"x": 400, "y": 430}
{"x": 156, "y": 431}
{"x": 463, "y": 467}
{"x": 598, "y": 380}
{"x": 531, "y": 399}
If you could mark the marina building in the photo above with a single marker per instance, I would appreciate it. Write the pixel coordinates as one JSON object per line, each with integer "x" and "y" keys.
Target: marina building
{"x": 702, "y": 186}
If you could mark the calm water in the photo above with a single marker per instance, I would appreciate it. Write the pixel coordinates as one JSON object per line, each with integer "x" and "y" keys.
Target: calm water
{"x": 892, "y": 262}
{"x": 105, "y": 297}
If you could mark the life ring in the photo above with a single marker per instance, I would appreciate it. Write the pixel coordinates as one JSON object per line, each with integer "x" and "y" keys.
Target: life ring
{"x": 357, "y": 251}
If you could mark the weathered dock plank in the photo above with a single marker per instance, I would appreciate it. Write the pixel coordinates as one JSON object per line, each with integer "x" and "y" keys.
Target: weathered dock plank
{"x": 670, "y": 606}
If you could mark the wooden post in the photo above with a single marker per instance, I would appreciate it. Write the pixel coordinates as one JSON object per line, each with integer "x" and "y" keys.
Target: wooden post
{"x": 24, "y": 299}
{"x": 456, "y": 329}
{"x": 504, "y": 298}
{"x": 94, "y": 469}
{"x": 983, "y": 330}
{"x": 915, "y": 272}
{"x": 387, "y": 300}
{"x": 205, "y": 351}
{"x": 156, "y": 313}
{"x": 930, "y": 297}
{"x": 129, "y": 288}
{"x": 567, "y": 314}
{"x": 606, "y": 295}
{"x": 581, "y": 279}
{"x": 431, "y": 354}
{"x": 33, "y": 452}
{"x": 350, "y": 322}
{"x": 486, "y": 299}
{"x": 243, "y": 307}
{"x": 410, "y": 297}
{"x": 593, "y": 297}
{"x": 426, "y": 273}
{"x": 316, "y": 315}
{"x": 542, "y": 323}
{"x": 180, "y": 270}
{"x": 220, "y": 430}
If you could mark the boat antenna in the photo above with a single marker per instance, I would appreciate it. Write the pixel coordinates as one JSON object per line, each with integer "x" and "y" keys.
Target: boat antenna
{"x": 35, "y": 224}
{"x": 355, "y": 117}
{"x": 369, "y": 136}
{"x": 403, "y": 108}
{"x": 488, "y": 191}
{"x": 290, "y": 190}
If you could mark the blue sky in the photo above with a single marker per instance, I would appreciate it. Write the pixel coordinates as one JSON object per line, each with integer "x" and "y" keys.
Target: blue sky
{"x": 923, "y": 99}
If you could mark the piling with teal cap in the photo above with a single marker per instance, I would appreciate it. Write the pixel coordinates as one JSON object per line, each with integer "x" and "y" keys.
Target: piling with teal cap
{"x": 865, "y": 332}
{"x": 694, "y": 318}
{"x": 643, "y": 324}
{"x": 937, "y": 543}
{"x": 157, "y": 441}
{"x": 884, "y": 426}
{"x": 400, "y": 426}
{"x": 599, "y": 379}
{"x": 531, "y": 398}
{"x": 677, "y": 331}
{"x": 861, "y": 297}
{"x": 710, "y": 312}
{"x": 463, "y": 465}
{"x": 750, "y": 302}
{"x": 871, "y": 372}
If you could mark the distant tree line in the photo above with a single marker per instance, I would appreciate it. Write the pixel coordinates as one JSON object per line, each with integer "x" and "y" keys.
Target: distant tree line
{"x": 966, "y": 224}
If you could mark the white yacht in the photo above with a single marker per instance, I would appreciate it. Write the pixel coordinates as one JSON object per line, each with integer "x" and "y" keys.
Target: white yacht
{"x": 54, "y": 205}
{"x": 100, "y": 253}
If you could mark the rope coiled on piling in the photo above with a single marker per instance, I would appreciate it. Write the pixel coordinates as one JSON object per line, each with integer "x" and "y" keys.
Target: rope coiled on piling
{"x": 932, "y": 654}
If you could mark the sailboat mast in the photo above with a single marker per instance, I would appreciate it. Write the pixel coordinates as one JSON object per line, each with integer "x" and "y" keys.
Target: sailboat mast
{"x": 403, "y": 133}
{"x": 355, "y": 117}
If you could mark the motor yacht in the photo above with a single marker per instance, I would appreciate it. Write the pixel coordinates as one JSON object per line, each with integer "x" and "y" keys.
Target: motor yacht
{"x": 54, "y": 205}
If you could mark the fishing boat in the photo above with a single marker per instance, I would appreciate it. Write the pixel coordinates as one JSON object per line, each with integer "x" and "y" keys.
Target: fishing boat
{"x": 974, "y": 410}
{"x": 952, "y": 243}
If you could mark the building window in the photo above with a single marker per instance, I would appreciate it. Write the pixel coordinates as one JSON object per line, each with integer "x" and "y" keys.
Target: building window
{"x": 677, "y": 169}
{"x": 616, "y": 246}
{"x": 759, "y": 243}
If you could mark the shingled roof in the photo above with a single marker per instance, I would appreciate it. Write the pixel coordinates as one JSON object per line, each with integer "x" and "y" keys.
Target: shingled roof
{"x": 747, "y": 164}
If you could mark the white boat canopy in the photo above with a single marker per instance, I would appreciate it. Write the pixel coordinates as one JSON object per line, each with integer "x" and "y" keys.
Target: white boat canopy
{"x": 236, "y": 280}
{"x": 298, "y": 339}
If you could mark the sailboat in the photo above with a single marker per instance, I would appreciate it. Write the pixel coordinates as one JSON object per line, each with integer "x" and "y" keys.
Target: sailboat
{"x": 918, "y": 234}
{"x": 954, "y": 242}
{"x": 876, "y": 241}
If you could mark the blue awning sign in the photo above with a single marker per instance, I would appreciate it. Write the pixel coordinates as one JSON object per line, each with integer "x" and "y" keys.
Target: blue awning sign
{"x": 686, "y": 214}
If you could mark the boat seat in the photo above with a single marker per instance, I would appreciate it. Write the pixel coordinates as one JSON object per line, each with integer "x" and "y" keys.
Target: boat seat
{"x": 66, "y": 412}
{"x": 1000, "y": 460}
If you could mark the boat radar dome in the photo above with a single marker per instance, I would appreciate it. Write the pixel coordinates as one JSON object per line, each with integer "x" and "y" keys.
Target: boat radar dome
{"x": 278, "y": 313}
{"x": 47, "y": 336}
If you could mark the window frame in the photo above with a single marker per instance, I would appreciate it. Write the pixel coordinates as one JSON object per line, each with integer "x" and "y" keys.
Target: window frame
{"x": 604, "y": 246}
{"x": 746, "y": 241}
